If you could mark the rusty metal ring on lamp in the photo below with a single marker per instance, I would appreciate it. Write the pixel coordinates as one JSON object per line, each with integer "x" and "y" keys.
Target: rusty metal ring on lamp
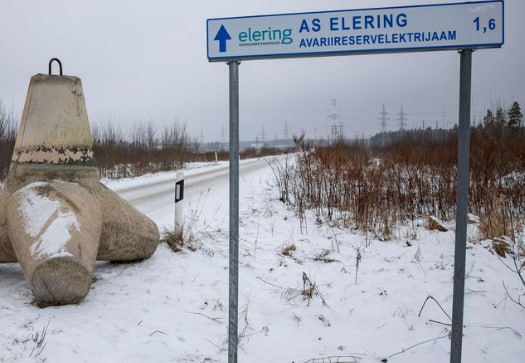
{"x": 59, "y": 65}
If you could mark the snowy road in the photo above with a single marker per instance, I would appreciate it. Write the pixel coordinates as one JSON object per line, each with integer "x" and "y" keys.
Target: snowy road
{"x": 155, "y": 198}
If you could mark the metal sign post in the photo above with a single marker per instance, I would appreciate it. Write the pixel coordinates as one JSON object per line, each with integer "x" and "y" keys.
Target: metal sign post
{"x": 233, "y": 338}
{"x": 419, "y": 28}
{"x": 461, "y": 204}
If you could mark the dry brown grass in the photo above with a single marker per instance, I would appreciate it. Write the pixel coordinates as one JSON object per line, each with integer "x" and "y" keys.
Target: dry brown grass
{"x": 376, "y": 190}
{"x": 141, "y": 150}
{"x": 174, "y": 240}
{"x": 288, "y": 250}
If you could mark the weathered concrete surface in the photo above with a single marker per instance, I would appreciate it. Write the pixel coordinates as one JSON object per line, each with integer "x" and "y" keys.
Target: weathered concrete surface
{"x": 56, "y": 218}
{"x": 7, "y": 254}
{"x": 109, "y": 229}
{"x": 21, "y": 174}
{"x": 54, "y": 128}
{"x": 57, "y": 227}
{"x": 127, "y": 235}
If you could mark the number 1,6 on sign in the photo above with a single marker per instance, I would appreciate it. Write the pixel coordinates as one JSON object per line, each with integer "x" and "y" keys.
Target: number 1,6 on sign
{"x": 491, "y": 25}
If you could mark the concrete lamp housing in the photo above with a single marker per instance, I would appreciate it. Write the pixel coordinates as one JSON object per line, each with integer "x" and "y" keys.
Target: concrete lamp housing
{"x": 56, "y": 218}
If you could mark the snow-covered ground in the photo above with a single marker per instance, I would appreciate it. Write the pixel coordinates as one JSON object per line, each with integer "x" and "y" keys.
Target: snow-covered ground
{"x": 365, "y": 301}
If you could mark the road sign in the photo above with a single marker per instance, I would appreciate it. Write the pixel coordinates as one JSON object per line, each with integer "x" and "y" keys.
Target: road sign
{"x": 462, "y": 26}
{"x": 395, "y": 29}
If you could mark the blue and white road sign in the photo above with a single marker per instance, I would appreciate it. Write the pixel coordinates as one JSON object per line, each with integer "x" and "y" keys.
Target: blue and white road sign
{"x": 396, "y": 29}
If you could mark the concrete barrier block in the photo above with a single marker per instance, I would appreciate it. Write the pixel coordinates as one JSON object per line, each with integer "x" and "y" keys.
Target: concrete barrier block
{"x": 57, "y": 227}
{"x": 56, "y": 217}
{"x": 127, "y": 234}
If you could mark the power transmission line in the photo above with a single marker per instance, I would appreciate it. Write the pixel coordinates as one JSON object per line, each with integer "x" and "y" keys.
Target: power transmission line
{"x": 223, "y": 135}
{"x": 336, "y": 129}
{"x": 384, "y": 118}
{"x": 286, "y": 130}
{"x": 402, "y": 119}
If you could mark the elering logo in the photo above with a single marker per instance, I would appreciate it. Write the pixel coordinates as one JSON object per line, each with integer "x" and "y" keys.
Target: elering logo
{"x": 266, "y": 36}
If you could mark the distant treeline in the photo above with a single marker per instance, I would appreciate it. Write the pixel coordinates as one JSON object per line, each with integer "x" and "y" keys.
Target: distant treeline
{"x": 143, "y": 148}
{"x": 494, "y": 121}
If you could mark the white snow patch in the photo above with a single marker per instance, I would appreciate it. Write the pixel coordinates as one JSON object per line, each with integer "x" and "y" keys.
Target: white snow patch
{"x": 44, "y": 218}
{"x": 173, "y": 307}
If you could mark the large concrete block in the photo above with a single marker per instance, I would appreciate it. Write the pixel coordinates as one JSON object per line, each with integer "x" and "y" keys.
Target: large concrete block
{"x": 55, "y": 215}
{"x": 127, "y": 235}
{"x": 57, "y": 227}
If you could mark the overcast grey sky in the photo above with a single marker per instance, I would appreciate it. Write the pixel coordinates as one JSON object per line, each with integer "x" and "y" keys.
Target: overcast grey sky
{"x": 146, "y": 61}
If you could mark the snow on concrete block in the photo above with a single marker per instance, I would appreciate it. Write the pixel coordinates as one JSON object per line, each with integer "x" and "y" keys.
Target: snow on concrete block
{"x": 57, "y": 227}
{"x": 435, "y": 224}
